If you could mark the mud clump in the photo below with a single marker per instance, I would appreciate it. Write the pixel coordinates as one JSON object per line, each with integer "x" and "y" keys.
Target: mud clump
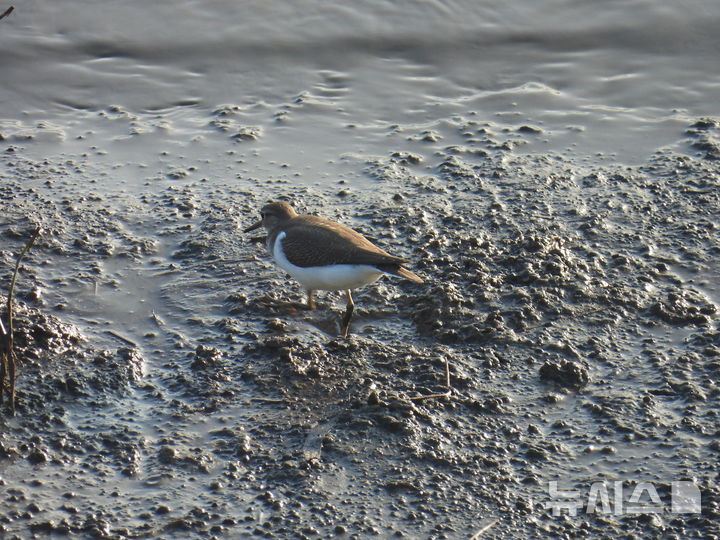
{"x": 565, "y": 373}
{"x": 206, "y": 357}
{"x": 685, "y": 308}
{"x": 705, "y": 135}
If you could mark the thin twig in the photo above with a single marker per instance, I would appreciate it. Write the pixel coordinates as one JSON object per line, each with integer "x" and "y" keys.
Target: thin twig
{"x": 485, "y": 529}
{"x": 156, "y": 319}
{"x": 11, "y": 290}
{"x": 122, "y": 338}
{"x": 447, "y": 393}
{"x": 8, "y": 11}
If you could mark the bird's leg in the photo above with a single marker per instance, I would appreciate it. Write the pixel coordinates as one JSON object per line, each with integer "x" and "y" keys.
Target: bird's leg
{"x": 348, "y": 314}
{"x": 310, "y": 300}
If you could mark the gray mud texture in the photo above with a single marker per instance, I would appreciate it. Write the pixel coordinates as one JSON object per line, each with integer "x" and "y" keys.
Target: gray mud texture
{"x": 171, "y": 385}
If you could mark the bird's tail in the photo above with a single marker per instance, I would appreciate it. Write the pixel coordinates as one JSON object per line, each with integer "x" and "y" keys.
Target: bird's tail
{"x": 407, "y": 274}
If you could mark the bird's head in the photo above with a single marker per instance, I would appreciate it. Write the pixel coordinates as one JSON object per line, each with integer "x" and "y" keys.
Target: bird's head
{"x": 272, "y": 214}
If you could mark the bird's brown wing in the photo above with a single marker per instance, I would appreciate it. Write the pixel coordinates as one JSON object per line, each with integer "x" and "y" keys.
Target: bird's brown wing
{"x": 331, "y": 242}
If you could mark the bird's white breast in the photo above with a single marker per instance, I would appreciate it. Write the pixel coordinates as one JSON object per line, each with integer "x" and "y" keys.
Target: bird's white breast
{"x": 330, "y": 278}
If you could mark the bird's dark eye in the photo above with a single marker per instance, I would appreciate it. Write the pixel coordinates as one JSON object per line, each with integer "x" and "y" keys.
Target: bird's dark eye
{"x": 262, "y": 215}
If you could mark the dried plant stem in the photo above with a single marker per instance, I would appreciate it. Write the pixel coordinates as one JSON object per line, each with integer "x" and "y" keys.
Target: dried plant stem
{"x": 484, "y": 529}
{"x": 9, "y": 358}
{"x": 447, "y": 393}
{"x": 8, "y": 11}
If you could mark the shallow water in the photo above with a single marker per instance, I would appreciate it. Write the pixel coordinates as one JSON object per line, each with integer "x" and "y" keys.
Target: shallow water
{"x": 620, "y": 80}
{"x": 540, "y": 162}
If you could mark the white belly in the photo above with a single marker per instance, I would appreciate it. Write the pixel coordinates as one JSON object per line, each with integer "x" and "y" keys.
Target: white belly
{"x": 329, "y": 278}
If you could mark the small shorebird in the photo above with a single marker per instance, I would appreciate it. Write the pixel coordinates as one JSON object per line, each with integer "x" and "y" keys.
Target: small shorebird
{"x": 324, "y": 255}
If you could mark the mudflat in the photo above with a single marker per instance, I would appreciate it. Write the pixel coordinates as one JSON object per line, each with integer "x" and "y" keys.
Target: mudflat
{"x": 556, "y": 186}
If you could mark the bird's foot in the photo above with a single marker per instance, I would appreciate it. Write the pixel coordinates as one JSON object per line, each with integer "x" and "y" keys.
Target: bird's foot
{"x": 311, "y": 304}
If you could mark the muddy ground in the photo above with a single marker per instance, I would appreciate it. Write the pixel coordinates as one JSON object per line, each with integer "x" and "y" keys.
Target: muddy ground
{"x": 171, "y": 386}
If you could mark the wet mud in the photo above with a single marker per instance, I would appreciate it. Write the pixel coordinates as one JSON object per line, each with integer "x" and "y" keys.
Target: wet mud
{"x": 172, "y": 384}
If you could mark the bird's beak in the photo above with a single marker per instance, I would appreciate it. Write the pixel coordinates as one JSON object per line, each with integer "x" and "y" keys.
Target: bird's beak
{"x": 254, "y": 226}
